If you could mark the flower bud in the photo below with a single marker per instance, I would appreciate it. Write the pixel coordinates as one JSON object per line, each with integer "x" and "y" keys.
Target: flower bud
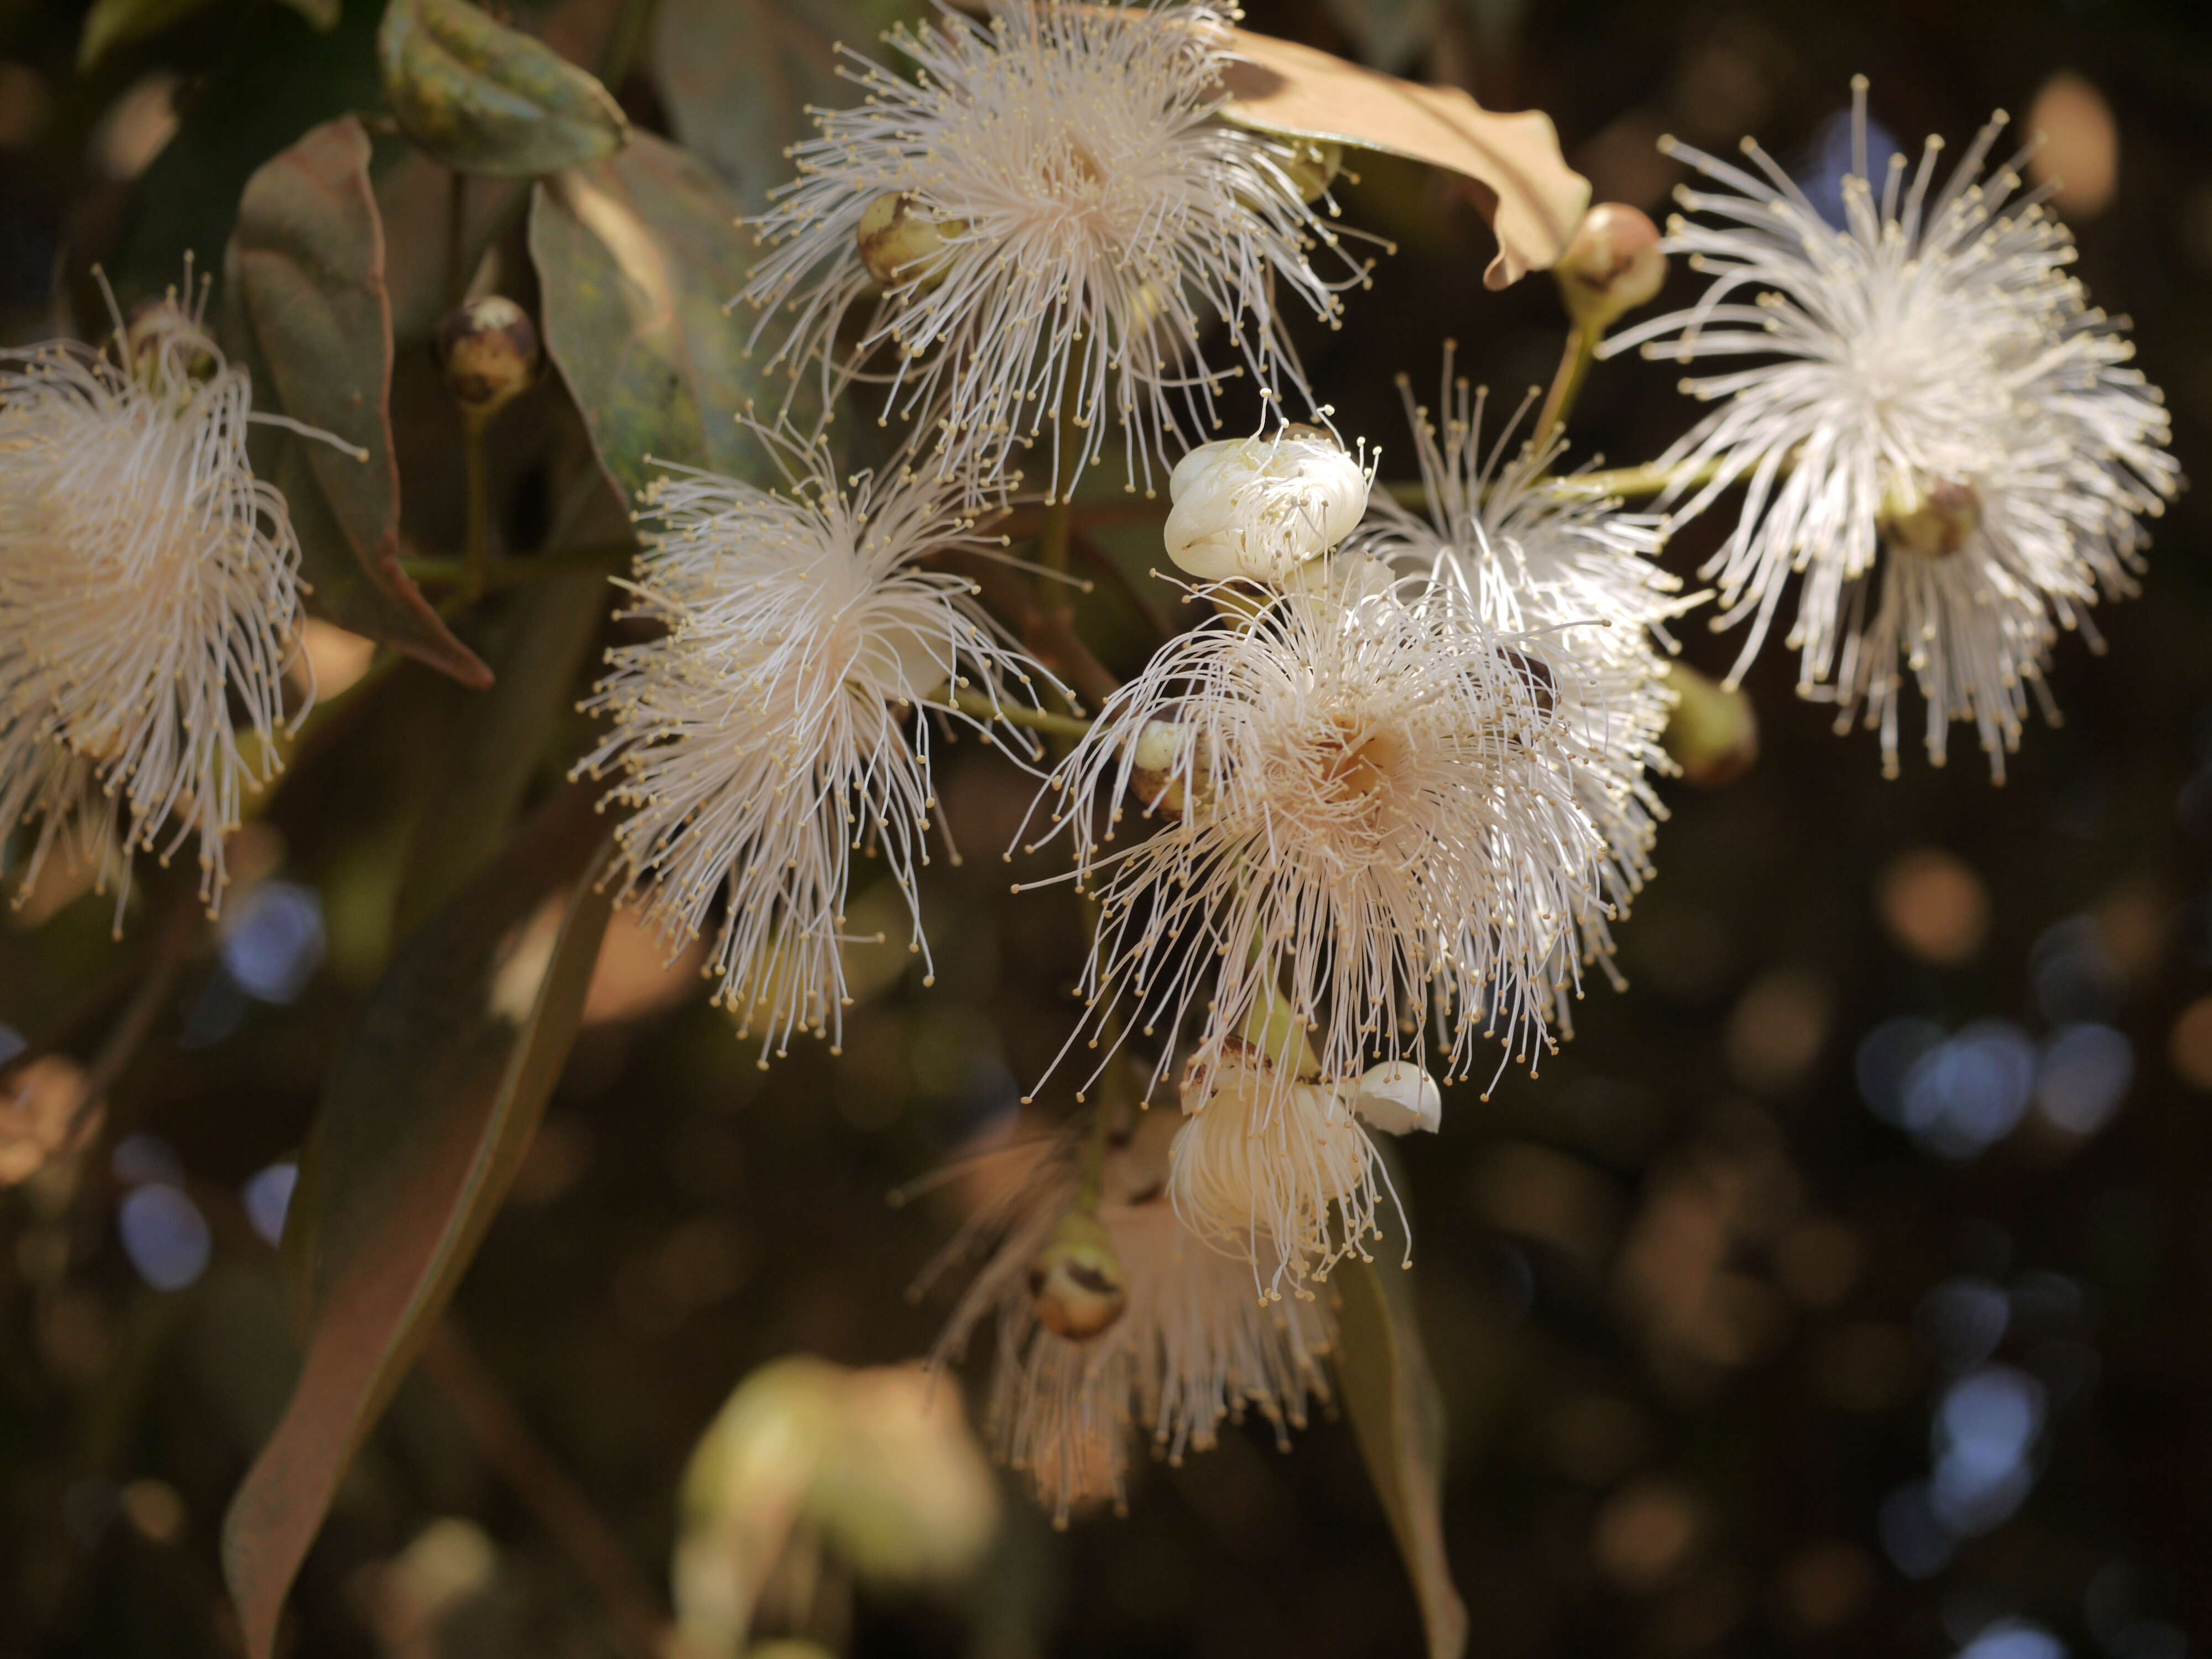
{"x": 1077, "y": 1278}
{"x": 489, "y": 350}
{"x": 903, "y": 243}
{"x": 1159, "y": 764}
{"x": 1934, "y": 522}
{"x": 162, "y": 339}
{"x": 1397, "y": 1097}
{"x": 1259, "y": 508}
{"x": 1612, "y": 266}
{"x": 1713, "y": 733}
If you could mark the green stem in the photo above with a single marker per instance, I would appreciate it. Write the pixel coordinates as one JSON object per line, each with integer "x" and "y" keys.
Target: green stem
{"x": 1094, "y": 1154}
{"x": 1623, "y": 482}
{"x": 1633, "y": 483}
{"x": 1567, "y": 384}
{"x": 623, "y": 45}
{"x": 1037, "y": 719}
{"x": 476, "y": 545}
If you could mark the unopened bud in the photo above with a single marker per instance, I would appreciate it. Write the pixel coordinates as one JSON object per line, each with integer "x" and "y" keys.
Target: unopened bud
{"x": 1077, "y": 1278}
{"x": 163, "y": 341}
{"x": 1160, "y": 762}
{"x": 1713, "y": 733}
{"x": 1612, "y": 266}
{"x": 1935, "y": 522}
{"x": 1397, "y": 1097}
{"x": 903, "y": 243}
{"x": 489, "y": 350}
{"x": 1259, "y": 508}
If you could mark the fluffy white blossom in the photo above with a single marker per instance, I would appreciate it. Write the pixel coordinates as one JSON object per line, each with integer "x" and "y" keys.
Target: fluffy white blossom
{"x": 1533, "y": 551}
{"x": 1191, "y": 1346}
{"x": 1280, "y": 1172}
{"x": 779, "y": 725}
{"x": 1055, "y": 218}
{"x": 1939, "y": 435}
{"x": 1375, "y": 815}
{"x": 149, "y": 596}
{"x": 1259, "y": 507}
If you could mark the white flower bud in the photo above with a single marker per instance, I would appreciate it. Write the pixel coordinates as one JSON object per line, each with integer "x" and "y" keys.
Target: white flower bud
{"x": 1612, "y": 265}
{"x": 1397, "y": 1097}
{"x": 1160, "y": 764}
{"x": 1259, "y": 508}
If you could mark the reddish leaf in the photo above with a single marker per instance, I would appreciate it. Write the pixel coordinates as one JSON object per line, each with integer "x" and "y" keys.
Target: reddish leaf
{"x": 427, "y": 1114}
{"x": 304, "y": 279}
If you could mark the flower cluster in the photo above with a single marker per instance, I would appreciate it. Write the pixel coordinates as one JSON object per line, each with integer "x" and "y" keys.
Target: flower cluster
{"x": 1386, "y": 802}
{"x": 1944, "y": 439}
{"x": 149, "y": 596}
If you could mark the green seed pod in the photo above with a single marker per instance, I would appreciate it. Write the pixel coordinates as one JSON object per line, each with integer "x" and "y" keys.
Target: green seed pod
{"x": 903, "y": 243}
{"x": 1077, "y": 1278}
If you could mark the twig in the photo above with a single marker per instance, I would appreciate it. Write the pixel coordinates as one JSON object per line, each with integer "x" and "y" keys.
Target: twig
{"x": 172, "y": 947}
{"x": 640, "y": 1624}
{"x": 1567, "y": 384}
{"x": 1630, "y": 482}
{"x": 623, "y": 43}
{"x": 1014, "y": 713}
{"x": 476, "y": 554}
{"x": 1049, "y": 635}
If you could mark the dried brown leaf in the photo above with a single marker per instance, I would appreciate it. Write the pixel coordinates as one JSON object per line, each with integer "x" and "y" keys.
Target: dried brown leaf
{"x": 1536, "y": 200}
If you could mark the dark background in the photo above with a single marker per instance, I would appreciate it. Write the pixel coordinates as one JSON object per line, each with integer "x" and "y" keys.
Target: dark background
{"x": 1716, "y": 1300}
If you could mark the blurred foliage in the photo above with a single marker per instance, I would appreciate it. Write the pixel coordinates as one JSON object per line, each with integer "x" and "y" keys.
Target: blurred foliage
{"x": 1841, "y": 1287}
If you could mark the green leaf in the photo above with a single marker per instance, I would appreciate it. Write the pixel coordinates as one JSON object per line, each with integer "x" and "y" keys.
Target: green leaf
{"x": 484, "y": 98}
{"x": 496, "y": 742}
{"x": 1397, "y": 1414}
{"x": 636, "y": 256}
{"x": 427, "y": 1114}
{"x": 737, "y": 77}
{"x": 305, "y": 302}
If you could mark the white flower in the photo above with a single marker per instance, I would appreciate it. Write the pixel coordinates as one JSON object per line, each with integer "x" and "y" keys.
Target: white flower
{"x": 149, "y": 593}
{"x": 1377, "y": 811}
{"x": 1192, "y": 1346}
{"x": 1278, "y": 1171}
{"x": 778, "y": 727}
{"x": 1532, "y": 551}
{"x": 1943, "y": 440}
{"x": 1259, "y": 508}
{"x": 1056, "y": 220}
